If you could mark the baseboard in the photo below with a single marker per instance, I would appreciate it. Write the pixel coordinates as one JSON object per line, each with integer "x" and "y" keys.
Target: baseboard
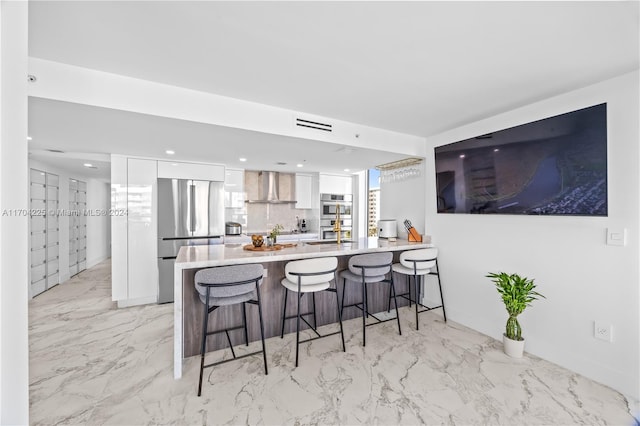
{"x": 126, "y": 303}
{"x": 93, "y": 262}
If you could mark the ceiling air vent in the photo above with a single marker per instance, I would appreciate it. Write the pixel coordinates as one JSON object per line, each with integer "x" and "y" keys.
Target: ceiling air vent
{"x": 313, "y": 125}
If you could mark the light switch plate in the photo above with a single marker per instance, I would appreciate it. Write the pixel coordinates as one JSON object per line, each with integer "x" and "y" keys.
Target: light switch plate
{"x": 616, "y": 236}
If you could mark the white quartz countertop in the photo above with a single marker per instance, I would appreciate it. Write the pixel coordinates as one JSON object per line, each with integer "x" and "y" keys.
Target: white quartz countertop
{"x": 234, "y": 254}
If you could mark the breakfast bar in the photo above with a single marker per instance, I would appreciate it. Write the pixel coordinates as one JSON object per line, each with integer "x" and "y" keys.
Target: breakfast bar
{"x": 187, "y": 306}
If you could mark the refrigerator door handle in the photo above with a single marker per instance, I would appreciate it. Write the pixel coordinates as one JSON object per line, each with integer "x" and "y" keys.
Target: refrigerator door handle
{"x": 192, "y": 206}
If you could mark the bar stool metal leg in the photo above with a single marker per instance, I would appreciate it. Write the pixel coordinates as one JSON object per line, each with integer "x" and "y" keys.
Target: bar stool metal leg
{"x": 364, "y": 312}
{"x": 395, "y": 302}
{"x": 315, "y": 320}
{"x": 204, "y": 341}
{"x": 417, "y": 293}
{"x": 444, "y": 313}
{"x": 284, "y": 311}
{"x": 344, "y": 290}
{"x": 298, "y": 323}
{"x": 264, "y": 352}
{"x": 344, "y": 347}
{"x": 244, "y": 323}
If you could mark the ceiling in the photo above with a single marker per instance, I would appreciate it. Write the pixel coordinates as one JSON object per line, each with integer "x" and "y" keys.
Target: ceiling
{"x": 88, "y": 134}
{"x": 413, "y": 67}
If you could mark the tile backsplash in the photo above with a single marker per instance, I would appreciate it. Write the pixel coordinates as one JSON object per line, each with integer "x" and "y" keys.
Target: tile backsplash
{"x": 263, "y": 217}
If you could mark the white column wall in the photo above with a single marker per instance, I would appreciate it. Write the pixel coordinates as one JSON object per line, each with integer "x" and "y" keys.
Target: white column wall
{"x": 583, "y": 278}
{"x": 14, "y": 230}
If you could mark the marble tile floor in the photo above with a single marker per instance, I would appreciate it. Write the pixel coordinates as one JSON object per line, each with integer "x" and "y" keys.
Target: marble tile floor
{"x": 91, "y": 363}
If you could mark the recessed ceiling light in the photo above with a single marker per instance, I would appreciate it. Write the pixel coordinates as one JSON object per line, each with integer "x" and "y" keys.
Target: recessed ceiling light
{"x": 29, "y": 138}
{"x": 88, "y": 165}
{"x": 242, "y": 159}
{"x": 299, "y": 165}
{"x": 461, "y": 155}
{"x": 496, "y": 150}
{"x": 347, "y": 170}
{"x": 170, "y": 152}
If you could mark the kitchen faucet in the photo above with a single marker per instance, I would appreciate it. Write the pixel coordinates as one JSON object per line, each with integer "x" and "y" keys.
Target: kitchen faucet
{"x": 336, "y": 225}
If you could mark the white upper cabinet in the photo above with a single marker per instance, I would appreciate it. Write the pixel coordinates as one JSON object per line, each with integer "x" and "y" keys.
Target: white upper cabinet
{"x": 234, "y": 188}
{"x": 336, "y": 184}
{"x": 304, "y": 191}
{"x": 197, "y": 171}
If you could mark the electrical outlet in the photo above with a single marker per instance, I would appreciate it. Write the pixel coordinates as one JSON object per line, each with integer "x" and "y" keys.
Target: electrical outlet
{"x": 264, "y": 273}
{"x": 603, "y": 331}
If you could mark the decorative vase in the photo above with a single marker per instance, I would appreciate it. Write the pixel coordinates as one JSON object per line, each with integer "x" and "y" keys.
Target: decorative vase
{"x": 257, "y": 240}
{"x": 513, "y": 348}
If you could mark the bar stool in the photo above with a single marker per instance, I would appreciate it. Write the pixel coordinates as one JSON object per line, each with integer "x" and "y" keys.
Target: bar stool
{"x": 310, "y": 276}
{"x": 367, "y": 269}
{"x": 224, "y": 286}
{"x": 419, "y": 263}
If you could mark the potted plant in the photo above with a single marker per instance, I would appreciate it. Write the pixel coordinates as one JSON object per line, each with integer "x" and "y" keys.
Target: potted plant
{"x": 275, "y": 231}
{"x": 517, "y": 293}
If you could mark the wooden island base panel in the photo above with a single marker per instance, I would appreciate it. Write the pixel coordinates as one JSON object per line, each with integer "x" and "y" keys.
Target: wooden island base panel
{"x": 189, "y": 311}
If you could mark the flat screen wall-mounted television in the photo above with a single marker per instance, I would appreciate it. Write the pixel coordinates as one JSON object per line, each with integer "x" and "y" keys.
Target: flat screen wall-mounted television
{"x": 553, "y": 166}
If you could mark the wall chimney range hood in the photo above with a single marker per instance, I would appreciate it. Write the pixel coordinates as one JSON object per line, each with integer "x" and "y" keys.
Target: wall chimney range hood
{"x": 269, "y": 185}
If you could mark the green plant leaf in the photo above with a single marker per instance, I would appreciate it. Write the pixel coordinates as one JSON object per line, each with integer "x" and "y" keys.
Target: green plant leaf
{"x": 516, "y": 293}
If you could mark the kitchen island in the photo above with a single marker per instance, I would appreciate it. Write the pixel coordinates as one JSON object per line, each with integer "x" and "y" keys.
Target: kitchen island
{"x": 188, "y": 308}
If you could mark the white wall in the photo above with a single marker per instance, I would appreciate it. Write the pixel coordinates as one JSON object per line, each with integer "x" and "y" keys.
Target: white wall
{"x": 583, "y": 279}
{"x": 14, "y": 230}
{"x": 98, "y": 227}
{"x": 405, "y": 199}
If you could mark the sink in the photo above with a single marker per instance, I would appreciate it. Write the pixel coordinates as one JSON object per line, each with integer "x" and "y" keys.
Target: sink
{"x": 322, "y": 242}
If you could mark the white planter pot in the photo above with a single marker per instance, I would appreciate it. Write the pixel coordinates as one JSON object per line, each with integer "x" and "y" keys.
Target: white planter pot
{"x": 513, "y": 348}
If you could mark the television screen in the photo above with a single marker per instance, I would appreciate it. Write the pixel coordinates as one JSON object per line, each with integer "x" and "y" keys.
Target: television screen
{"x": 554, "y": 166}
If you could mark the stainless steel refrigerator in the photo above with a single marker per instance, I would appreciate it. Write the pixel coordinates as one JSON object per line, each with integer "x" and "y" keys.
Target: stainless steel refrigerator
{"x": 190, "y": 212}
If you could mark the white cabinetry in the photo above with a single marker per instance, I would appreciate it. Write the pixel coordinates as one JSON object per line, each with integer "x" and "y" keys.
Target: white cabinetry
{"x": 134, "y": 234}
{"x": 196, "y": 171}
{"x": 336, "y": 184}
{"x": 142, "y": 235}
{"x": 304, "y": 191}
{"x": 234, "y": 188}
{"x": 44, "y": 227}
{"x": 119, "y": 247}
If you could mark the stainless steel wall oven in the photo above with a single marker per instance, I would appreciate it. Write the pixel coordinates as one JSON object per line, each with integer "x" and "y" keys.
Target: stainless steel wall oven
{"x": 330, "y": 204}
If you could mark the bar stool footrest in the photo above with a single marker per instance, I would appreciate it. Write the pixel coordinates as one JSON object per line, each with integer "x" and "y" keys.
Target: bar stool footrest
{"x": 232, "y": 359}
{"x": 320, "y": 336}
